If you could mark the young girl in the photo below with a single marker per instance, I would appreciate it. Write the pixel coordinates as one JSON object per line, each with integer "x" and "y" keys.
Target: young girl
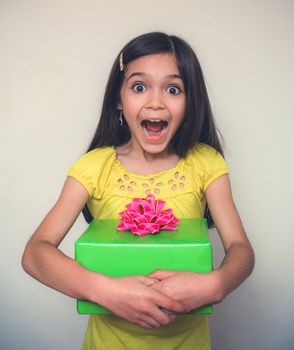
{"x": 156, "y": 135}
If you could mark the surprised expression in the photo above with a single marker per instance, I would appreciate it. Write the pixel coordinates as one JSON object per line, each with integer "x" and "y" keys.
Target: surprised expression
{"x": 153, "y": 101}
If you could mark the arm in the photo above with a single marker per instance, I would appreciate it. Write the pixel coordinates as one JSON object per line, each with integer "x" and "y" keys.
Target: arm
{"x": 203, "y": 289}
{"x": 128, "y": 297}
{"x": 41, "y": 258}
{"x": 239, "y": 259}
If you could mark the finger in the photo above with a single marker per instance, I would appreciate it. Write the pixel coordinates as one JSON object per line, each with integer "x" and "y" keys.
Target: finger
{"x": 150, "y": 281}
{"x": 147, "y": 281}
{"x": 162, "y": 274}
{"x": 172, "y": 318}
{"x": 157, "y": 286}
{"x": 143, "y": 324}
{"x": 162, "y": 316}
{"x": 172, "y": 315}
{"x": 150, "y": 321}
{"x": 172, "y": 305}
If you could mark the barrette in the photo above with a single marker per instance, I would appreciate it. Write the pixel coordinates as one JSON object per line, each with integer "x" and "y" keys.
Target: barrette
{"x": 121, "y": 62}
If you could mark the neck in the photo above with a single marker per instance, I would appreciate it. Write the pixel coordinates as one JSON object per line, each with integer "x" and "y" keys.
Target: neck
{"x": 136, "y": 152}
{"x": 143, "y": 163}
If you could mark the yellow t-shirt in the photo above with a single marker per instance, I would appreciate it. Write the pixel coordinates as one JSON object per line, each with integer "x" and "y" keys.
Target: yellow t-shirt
{"x": 111, "y": 186}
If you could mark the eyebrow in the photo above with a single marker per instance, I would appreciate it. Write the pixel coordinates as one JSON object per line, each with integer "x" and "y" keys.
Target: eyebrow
{"x": 141, "y": 74}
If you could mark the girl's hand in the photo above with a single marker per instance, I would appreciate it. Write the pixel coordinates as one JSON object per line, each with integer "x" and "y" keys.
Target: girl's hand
{"x": 132, "y": 299}
{"x": 192, "y": 289}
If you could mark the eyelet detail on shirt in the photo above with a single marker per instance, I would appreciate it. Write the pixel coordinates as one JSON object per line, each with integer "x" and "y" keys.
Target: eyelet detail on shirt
{"x": 129, "y": 185}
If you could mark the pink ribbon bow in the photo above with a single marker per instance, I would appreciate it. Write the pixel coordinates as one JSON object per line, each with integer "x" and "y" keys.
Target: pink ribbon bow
{"x": 144, "y": 216}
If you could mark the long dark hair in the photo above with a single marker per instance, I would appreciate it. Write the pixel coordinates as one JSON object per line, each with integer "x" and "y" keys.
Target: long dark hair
{"x": 198, "y": 125}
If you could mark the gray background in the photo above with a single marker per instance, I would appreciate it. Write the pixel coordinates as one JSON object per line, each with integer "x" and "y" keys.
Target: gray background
{"x": 55, "y": 57}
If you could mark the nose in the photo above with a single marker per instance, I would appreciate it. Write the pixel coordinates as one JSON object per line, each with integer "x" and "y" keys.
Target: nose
{"x": 156, "y": 100}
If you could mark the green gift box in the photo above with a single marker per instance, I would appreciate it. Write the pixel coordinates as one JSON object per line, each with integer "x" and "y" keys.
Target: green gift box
{"x": 104, "y": 249}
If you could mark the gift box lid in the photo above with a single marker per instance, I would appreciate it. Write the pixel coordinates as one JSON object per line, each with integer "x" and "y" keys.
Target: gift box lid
{"x": 189, "y": 231}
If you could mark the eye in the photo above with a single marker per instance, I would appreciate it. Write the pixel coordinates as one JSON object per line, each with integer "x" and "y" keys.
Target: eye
{"x": 173, "y": 90}
{"x": 139, "y": 87}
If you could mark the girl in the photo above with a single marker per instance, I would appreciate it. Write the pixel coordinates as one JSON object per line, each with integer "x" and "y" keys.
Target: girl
{"x": 156, "y": 135}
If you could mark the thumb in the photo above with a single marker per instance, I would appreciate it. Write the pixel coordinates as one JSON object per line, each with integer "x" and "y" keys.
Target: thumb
{"x": 147, "y": 280}
{"x": 162, "y": 274}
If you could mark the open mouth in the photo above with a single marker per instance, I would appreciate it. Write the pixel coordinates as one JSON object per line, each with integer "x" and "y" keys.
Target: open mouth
{"x": 154, "y": 127}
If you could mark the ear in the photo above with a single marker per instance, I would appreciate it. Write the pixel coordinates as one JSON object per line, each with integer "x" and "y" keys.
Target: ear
{"x": 119, "y": 106}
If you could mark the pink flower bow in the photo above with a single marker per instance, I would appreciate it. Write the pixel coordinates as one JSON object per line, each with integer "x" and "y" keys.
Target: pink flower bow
{"x": 144, "y": 216}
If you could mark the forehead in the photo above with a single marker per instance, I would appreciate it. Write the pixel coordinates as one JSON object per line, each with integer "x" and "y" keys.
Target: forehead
{"x": 164, "y": 64}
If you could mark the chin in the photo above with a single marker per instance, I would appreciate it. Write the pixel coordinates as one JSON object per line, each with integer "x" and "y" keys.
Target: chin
{"x": 155, "y": 148}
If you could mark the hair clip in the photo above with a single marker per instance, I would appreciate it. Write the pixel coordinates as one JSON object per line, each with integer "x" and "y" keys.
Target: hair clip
{"x": 121, "y": 62}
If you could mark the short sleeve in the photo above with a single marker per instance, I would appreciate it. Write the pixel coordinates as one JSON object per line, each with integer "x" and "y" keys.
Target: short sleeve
{"x": 209, "y": 164}
{"x": 92, "y": 170}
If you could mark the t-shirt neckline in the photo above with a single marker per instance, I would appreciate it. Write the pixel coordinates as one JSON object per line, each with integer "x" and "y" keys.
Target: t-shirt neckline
{"x": 162, "y": 172}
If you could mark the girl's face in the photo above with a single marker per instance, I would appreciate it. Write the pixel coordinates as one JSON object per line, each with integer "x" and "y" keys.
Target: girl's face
{"x": 153, "y": 101}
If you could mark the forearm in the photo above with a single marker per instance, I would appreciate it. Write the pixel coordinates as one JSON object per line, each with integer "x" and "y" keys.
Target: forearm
{"x": 235, "y": 268}
{"x": 50, "y": 266}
